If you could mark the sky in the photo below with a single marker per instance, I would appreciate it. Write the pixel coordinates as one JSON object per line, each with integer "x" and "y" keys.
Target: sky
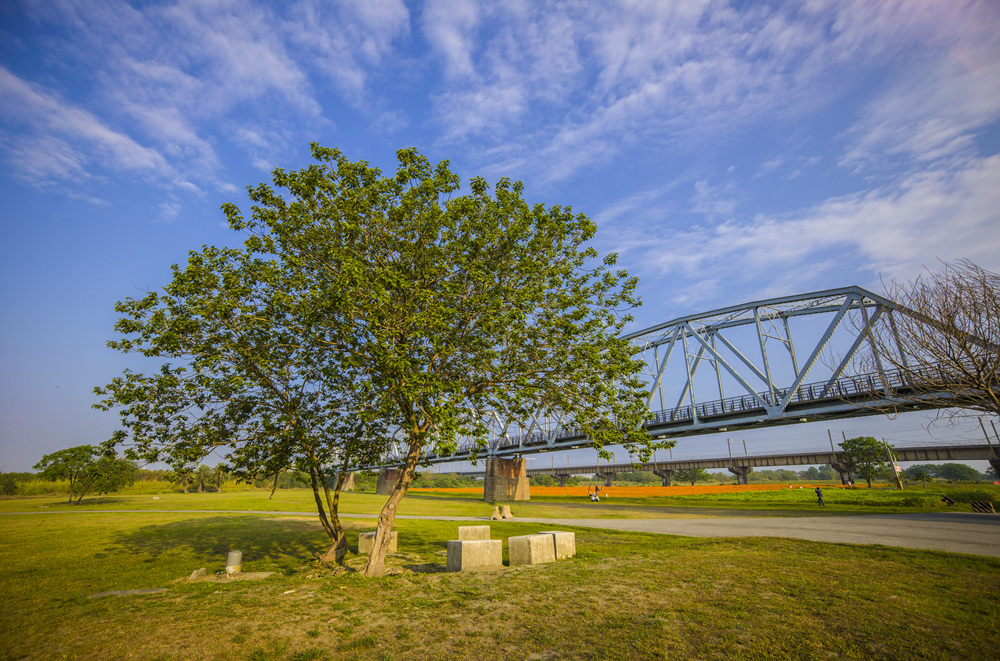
{"x": 728, "y": 151}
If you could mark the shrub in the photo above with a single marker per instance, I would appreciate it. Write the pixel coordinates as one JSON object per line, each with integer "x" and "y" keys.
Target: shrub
{"x": 8, "y": 484}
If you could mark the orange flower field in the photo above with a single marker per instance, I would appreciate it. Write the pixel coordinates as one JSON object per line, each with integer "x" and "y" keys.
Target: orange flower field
{"x": 648, "y": 492}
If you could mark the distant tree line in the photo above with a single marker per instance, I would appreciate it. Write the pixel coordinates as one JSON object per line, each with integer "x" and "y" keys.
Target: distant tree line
{"x": 946, "y": 472}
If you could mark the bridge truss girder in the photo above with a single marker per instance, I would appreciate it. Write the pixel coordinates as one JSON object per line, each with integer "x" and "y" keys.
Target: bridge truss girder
{"x": 748, "y": 349}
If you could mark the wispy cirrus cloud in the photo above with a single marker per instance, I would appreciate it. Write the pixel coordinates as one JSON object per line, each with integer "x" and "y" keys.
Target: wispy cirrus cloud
{"x": 610, "y": 78}
{"x": 895, "y": 231}
{"x": 175, "y": 75}
{"x": 348, "y": 40}
{"x": 61, "y": 141}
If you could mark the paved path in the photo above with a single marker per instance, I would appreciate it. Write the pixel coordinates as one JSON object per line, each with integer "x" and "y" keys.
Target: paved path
{"x": 958, "y": 532}
{"x": 978, "y": 534}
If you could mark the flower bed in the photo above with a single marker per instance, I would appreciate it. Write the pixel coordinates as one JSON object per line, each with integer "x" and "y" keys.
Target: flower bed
{"x": 650, "y": 492}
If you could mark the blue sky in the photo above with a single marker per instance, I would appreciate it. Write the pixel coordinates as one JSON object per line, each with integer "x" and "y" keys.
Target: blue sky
{"x": 728, "y": 150}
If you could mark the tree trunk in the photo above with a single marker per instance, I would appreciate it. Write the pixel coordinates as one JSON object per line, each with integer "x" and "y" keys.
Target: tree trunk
{"x": 383, "y": 532}
{"x": 332, "y": 526}
{"x": 337, "y": 551}
{"x": 339, "y": 548}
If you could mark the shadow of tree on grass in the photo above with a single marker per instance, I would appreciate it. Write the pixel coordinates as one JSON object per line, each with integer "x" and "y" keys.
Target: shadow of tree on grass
{"x": 272, "y": 543}
{"x": 213, "y": 537}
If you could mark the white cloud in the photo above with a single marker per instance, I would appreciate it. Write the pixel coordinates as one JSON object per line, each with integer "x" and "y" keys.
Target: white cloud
{"x": 450, "y": 27}
{"x": 170, "y": 75}
{"x": 769, "y": 166}
{"x": 564, "y": 87}
{"x": 168, "y": 211}
{"x": 929, "y": 115}
{"x": 636, "y": 202}
{"x": 81, "y": 138}
{"x": 939, "y": 214}
{"x": 348, "y": 39}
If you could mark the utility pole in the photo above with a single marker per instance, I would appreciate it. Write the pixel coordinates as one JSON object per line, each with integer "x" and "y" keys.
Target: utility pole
{"x": 892, "y": 463}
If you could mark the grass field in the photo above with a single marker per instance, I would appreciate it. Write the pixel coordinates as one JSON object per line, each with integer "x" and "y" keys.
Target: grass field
{"x": 625, "y": 595}
{"x": 551, "y": 502}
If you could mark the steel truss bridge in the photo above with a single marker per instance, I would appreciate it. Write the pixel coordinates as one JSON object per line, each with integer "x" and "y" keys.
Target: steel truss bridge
{"x": 772, "y": 362}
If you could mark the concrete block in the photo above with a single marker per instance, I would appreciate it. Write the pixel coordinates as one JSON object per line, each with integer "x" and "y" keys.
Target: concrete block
{"x": 366, "y": 541}
{"x": 473, "y": 532}
{"x": 466, "y": 554}
{"x": 563, "y": 542}
{"x": 531, "y": 550}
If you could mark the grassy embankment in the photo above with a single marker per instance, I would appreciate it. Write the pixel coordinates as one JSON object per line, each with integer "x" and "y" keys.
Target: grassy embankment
{"x": 549, "y": 502}
{"x": 625, "y": 596}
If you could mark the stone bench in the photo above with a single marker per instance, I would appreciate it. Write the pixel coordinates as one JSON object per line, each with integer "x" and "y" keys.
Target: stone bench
{"x": 464, "y": 554}
{"x": 473, "y": 532}
{"x": 563, "y": 542}
{"x": 531, "y": 550}
{"x": 366, "y": 541}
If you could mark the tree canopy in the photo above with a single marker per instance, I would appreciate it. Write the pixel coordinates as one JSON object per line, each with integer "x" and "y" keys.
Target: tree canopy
{"x": 867, "y": 456}
{"x": 88, "y": 470}
{"x": 945, "y": 343}
{"x": 455, "y": 308}
{"x": 253, "y": 377}
{"x": 364, "y": 309}
{"x": 693, "y": 475}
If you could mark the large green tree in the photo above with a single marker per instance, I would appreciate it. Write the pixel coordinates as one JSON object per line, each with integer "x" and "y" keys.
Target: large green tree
{"x": 68, "y": 464}
{"x": 247, "y": 372}
{"x": 88, "y": 470}
{"x": 454, "y": 307}
{"x": 958, "y": 473}
{"x": 693, "y": 475}
{"x": 867, "y": 455}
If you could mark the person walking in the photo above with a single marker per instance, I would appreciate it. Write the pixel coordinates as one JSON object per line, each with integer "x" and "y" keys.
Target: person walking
{"x": 819, "y": 494}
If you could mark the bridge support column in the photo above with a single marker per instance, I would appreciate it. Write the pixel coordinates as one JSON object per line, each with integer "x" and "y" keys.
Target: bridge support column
{"x": 995, "y": 463}
{"x": 387, "y": 478}
{"x": 606, "y": 477}
{"x": 348, "y": 483}
{"x": 742, "y": 473}
{"x": 506, "y": 479}
{"x": 846, "y": 474}
{"x": 665, "y": 474}
{"x": 562, "y": 477}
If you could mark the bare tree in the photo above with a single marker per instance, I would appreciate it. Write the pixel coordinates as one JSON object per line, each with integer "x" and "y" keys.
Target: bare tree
{"x": 944, "y": 342}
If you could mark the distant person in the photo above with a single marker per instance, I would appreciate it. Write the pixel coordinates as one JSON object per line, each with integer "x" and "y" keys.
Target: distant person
{"x": 819, "y": 494}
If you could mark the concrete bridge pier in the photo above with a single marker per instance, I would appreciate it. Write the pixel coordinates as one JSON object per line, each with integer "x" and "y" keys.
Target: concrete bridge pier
{"x": 665, "y": 474}
{"x": 607, "y": 477}
{"x": 348, "y": 482}
{"x": 995, "y": 463}
{"x": 387, "y": 478}
{"x": 845, "y": 472}
{"x": 562, "y": 477}
{"x": 742, "y": 473}
{"x": 506, "y": 479}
